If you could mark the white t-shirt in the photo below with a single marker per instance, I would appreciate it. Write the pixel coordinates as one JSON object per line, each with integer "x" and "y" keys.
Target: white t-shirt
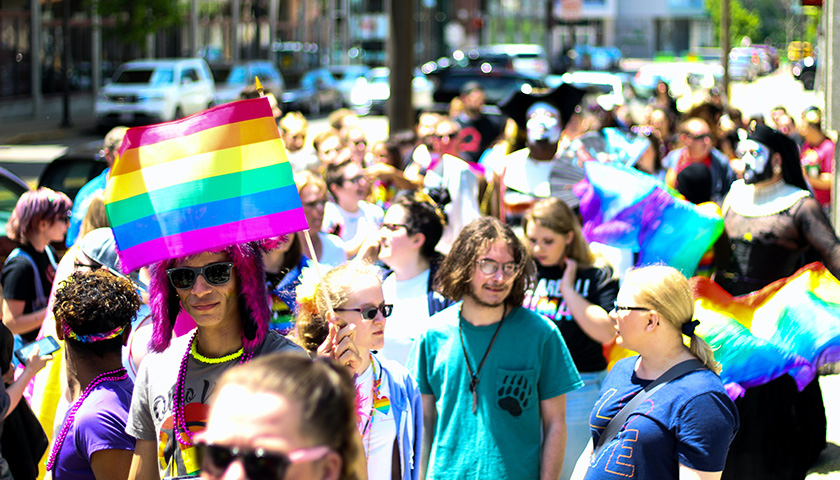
{"x": 362, "y": 222}
{"x": 409, "y": 318}
{"x": 378, "y": 439}
{"x": 332, "y": 253}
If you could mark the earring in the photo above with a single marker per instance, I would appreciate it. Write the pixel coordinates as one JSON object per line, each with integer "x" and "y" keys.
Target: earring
{"x": 777, "y": 169}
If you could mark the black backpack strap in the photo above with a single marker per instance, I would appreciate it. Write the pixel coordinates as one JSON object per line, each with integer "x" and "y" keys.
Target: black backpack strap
{"x": 618, "y": 420}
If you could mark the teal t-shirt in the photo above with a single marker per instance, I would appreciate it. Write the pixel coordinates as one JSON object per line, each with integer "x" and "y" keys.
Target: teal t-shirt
{"x": 528, "y": 363}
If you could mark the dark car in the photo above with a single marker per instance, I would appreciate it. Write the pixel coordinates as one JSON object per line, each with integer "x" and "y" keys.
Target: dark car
{"x": 805, "y": 71}
{"x": 497, "y": 84}
{"x": 11, "y": 188}
{"x": 71, "y": 171}
{"x": 316, "y": 91}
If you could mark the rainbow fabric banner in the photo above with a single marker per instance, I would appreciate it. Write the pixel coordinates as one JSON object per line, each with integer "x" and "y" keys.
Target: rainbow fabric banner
{"x": 626, "y": 208}
{"x": 791, "y": 326}
{"x": 214, "y": 179}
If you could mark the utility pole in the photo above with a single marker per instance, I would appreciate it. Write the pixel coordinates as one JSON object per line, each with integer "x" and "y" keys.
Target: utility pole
{"x": 401, "y": 61}
{"x": 65, "y": 64}
{"x": 725, "y": 46}
{"x": 832, "y": 89}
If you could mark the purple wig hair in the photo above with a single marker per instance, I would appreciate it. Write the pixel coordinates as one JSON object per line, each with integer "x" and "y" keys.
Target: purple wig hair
{"x": 34, "y": 206}
{"x": 253, "y": 300}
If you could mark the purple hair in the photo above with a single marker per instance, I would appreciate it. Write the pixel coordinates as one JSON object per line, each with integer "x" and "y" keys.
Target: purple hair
{"x": 253, "y": 300}
{"x": 34, "y": 206}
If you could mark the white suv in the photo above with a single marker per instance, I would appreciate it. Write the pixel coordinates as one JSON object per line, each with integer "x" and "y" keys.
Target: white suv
{"x": 152, "y": 91}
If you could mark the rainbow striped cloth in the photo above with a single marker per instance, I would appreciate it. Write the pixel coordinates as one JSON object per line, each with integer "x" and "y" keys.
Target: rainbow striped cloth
{"x": 791, "y": 326}
{"x": 625, "y": 208}
{"x": 214, "y": 179}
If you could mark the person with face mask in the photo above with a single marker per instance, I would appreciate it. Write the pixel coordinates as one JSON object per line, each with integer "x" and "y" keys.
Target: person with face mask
{"x": 525, "y": 173}
{"x": 771, "y": 222}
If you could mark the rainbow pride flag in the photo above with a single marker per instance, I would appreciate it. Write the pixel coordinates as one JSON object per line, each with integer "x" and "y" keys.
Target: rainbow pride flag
{"x": 791, "y": 326}
{"x": 214, "y": 179}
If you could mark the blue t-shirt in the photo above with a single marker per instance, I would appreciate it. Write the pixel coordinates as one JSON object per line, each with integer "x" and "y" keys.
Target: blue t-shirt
{"x": 82, "y": 202}
{"x": 690, "y": 421}
{"x": 99, "y": 424}
{"x": 529, "y": 362}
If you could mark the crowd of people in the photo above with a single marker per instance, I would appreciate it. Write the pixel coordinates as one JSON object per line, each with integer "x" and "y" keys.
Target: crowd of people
{"x": 443, "y": 317}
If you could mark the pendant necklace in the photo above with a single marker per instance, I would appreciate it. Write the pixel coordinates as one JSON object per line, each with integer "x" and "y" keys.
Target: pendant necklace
{"x": 474, "y": 375}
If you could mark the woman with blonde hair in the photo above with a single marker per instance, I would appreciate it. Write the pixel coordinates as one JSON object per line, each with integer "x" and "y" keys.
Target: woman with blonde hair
{"x": 575, "y": 289}
{"x": 680, "y": 430}
{"x": 282, "y": 416}
{"x": 390, "y": 410}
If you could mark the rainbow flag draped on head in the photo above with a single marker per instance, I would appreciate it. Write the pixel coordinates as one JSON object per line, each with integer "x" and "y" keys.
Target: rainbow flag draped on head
{"x": 214, "y": 179}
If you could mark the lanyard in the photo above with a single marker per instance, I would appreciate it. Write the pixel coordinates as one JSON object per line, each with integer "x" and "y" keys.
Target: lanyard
{"x": 474, "y": 376}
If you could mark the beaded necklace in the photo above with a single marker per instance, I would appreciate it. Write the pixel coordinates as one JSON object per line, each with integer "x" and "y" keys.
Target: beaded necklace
{"x": 180, "y": 401}
{"x": 110, "y": 376}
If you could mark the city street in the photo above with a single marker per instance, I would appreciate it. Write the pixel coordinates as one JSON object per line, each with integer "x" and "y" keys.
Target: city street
{"x": 760, "y": 96}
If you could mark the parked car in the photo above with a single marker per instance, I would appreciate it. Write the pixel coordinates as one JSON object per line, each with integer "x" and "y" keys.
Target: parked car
{"x": 152, "y": 91}
{"x": 528, "y": 59}
{"x": 11, "y": 188}
{"x": 805, "y": 71}
{"x": 799, "y": 50}
{"x": 590, "y": 57}
{"x": 231, "y": 79}
{"x": 316, "y": 91}
{"x": 348, "y": 78}
{"x": 372, "y": 95}
{"x": 497, "y": 84}
{"x": 71, "y": 171}
{"x": 742, "y": 65}
{"x": 608, "y": 86}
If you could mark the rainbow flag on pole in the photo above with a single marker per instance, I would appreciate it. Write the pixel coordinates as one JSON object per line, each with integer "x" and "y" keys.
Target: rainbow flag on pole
{"x": 214, "y": 179}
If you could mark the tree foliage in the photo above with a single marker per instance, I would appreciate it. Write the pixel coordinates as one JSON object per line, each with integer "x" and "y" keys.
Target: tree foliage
{"x": 742, "y": 22}
{"x": 138, "y": 18}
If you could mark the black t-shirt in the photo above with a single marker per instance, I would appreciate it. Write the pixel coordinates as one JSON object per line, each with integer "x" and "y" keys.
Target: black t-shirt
{"x": 595, "y": 284}
{"x": 477, "y": 135}
{"x": 18, "y": 281}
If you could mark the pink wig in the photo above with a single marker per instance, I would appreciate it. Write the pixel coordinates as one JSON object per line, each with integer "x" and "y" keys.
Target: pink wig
{"x": 34, "y": 206}
{"x": 253, "y": 297}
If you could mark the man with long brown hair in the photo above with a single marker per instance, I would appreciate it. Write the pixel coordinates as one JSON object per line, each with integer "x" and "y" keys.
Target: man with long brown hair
{"x": 493, "y": 375}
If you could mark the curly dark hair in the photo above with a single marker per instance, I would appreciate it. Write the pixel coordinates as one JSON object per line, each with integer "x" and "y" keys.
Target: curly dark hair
{"x": 95, "y": 302}
{"x": 455, "y": 273}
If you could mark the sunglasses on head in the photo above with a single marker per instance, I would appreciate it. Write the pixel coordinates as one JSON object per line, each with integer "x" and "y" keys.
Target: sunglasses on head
{"x": 369, "y": 313}
{"x": 258, "y": 464}
{"x": 214, "y": 273}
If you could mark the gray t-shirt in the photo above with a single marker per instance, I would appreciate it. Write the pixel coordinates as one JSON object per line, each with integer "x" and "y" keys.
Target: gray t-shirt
{"x": 151, "y": 416}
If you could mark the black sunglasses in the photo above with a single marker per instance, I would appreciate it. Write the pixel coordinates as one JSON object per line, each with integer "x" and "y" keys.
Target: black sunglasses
{"x": 214, "y": 273}
{"x": 92, "y": 266}
{"x": 259, "y": 464}
{"x": 369, "y": 313}
{"x": 619, "y": 308}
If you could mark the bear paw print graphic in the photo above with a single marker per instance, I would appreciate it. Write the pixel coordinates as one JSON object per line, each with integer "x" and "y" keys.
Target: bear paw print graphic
{"x": 514, "y": 394}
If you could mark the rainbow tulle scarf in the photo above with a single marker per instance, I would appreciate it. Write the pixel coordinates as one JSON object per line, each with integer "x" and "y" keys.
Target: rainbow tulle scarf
{"x": 626, "y": 208}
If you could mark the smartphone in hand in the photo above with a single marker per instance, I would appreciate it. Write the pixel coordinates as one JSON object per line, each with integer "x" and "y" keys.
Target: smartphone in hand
{"x": 47, "y": 346}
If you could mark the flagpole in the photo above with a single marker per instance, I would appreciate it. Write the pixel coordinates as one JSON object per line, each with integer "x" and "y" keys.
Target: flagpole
{"x": 316, "y": 265}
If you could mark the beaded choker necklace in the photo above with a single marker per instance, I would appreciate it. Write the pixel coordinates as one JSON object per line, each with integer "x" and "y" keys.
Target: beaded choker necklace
{"x": 110, "y": 376}
{"x": 180, "y": 387}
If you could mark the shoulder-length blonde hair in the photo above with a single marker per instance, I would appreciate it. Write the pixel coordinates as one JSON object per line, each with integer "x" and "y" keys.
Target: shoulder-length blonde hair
{"x": 666, "y": 291}
{"x": 555, "y": 215}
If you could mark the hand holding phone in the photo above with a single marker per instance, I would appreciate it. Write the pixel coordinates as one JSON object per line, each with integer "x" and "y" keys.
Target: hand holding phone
{"x": 39, "y": 348}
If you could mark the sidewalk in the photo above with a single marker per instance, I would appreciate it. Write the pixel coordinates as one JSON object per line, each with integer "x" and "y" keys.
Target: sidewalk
{"x": 18, "y": 126}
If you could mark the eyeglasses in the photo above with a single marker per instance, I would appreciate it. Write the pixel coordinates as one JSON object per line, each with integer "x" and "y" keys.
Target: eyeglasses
{"x": 362, "y": 142}
{"x": 490, "y": 267}
{"x": 619, "y": 308}
{"x": 93, "y": 266}
{"x": 357, "y": 179}
{"x": 215, "y": 274}
{"x": 369, "y": 313}
{"x": 259, "y": 464}
{"x": 393, "y": 227}
{"x": 702, "y": 136}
